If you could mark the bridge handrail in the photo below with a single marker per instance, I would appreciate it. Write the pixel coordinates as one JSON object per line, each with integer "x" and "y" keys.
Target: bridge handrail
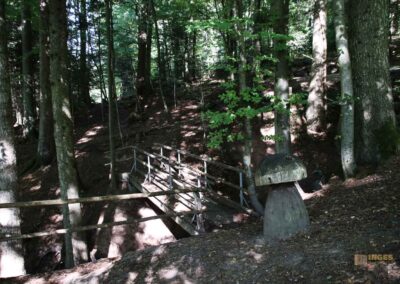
{"x": 187, "y": 167}
{"x": 208, "y": 160}
{"x": 55, "y": 202}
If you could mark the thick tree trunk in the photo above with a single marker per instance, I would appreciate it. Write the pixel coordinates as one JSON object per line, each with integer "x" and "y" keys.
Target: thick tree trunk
{"x": 372, "y": 85}
{"x": 28, "y": 90}
{"x": 83, "y": 72}
{"x": 11, "y": 260}
{"x": 316, "y": 99}
{"x": 111, "y": 95}
{"x": 46, "y": 147}
{"x": 347, "y": 119}
{"x": 75, "y": 246}
{"x": 282, "y": 112}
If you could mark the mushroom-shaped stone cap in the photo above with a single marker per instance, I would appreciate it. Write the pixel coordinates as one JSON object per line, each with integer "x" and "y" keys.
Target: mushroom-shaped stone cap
{"x": 279, "y": 168}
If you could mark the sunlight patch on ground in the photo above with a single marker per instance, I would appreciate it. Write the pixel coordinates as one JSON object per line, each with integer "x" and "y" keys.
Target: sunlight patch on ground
{"x": 119, "y": 234}
{"x": 189, "y": 134}
{"x": 152, "y": 232}
{"x": 90, "y": 134}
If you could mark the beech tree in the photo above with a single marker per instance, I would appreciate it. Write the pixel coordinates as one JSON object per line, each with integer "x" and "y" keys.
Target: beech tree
{"x": 46, "y": 148}
{"x": 316, "y": 99}
{"x": 11, "y": 260}
{"x": 83, "y": 70}
{"x": 374, "y": 114}
{"x": 280, "y": 15}
{"x": 28, "y": 91}
{"x": 112, "y": 127}
{"x": 347, "y": 93}
{"x": 75, "y": 245}
{"x": 145, "y": 32}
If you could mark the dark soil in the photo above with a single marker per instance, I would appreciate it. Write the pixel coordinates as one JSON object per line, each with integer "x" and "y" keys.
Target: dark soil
{"x": 361, "y": 216}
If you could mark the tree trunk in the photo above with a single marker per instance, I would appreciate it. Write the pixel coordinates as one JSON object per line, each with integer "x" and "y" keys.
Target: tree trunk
{"x": 28, "y": 91}
{"x": 370, "y": 65}
{"x": 347, "y": 115}
{"x": 144, "y": 52}
{"x": 75, "y": 246}
{"x": 46, "y": 148}
{"x": 248, "y": 143}
{"x": 316, "y": 99}
{"x": 161, "y": 70}
{"x": 11, "y": 260}
{"x": 83, "y": 72}
{"x": 282, "y": 112}
{"x": 111, "y": 95}
{"x": 394, "y": 17}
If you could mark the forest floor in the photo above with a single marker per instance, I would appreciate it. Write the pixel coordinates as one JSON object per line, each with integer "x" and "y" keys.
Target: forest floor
{"x": 359, "y": 216}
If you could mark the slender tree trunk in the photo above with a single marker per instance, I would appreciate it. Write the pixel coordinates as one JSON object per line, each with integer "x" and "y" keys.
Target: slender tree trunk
{"x": 248, "y": 143}
{"x": 144, "y": 52}
{"x": 193, "y": 60}
{"x": 316, "y": 99}
{"x": 282, "y": 112}
{"x": 83, "y": 76}
{"x": 46, "y": 147}
{"x": 111, "y": 95}
{"x": 161, "y": 77}
{"x": 394, "y": 15}
{"x": 28, "y": 91}
{"x": 75, "y": 246}
{"x": 100, "y": 70}
{"x": 370, "y": 65}
{"x": 347, "y": 119}
{"x": 11, "y": 260}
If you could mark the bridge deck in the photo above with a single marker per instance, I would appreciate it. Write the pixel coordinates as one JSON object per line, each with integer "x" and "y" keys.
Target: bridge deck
{"x": 215, "y": 215}
{"x": 154, "y": 173}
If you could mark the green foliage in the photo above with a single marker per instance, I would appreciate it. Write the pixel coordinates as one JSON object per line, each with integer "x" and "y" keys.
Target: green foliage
{"x": 388, "y": 138}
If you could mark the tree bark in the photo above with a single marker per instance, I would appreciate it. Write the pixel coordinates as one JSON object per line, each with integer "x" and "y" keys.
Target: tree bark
{"x": 248, "y": 143}
{"x": 282, "y": 112}
{"x": 11, "y": 260}
{"x": 46, "y": 147}
{"x": 369, "y": 51}
{"x": 75, "y": 246}
{"x": 111, "y": 95}
{"x": 28, "y": 91}
{"x": 144, "y": 52}
{"x": 161, "y": 69}
{"x": 83, "y": 70}
{"x": 315, "y": 113}
{"x": 394, "y": 17}
{"x": 347, "y": 95}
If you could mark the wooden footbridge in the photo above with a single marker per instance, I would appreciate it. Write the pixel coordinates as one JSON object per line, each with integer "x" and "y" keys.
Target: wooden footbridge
{"x": 166, "y": 169}
{"x": 188, "y": 194}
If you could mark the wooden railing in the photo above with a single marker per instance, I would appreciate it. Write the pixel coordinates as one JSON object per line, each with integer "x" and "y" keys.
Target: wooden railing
{"x": 108, "y": 198}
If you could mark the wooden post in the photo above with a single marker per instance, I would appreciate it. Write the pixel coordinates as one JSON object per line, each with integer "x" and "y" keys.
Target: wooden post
{"x": 242, "y": 200}
{"x": 179, "y": 162}
{"x": 199, "y": 216}
{"x": 205, "y": 176}
{"x": 134, "y": 161}
{"x": 169, "y": 175}
{"x": 148, "y": 168}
